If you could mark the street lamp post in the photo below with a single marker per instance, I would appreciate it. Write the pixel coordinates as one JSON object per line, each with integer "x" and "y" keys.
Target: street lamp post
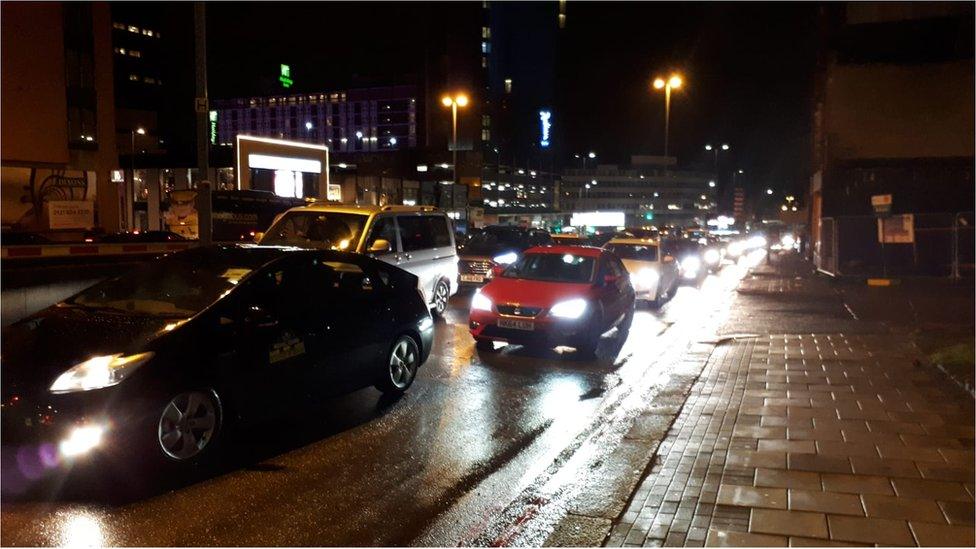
{"x": 673, "y": 82}
{"x": 459, "y": 100}
{"x": 714, "y": 151}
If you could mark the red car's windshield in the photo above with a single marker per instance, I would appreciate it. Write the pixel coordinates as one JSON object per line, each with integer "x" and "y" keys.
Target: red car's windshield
{"x": 553, "y": 268}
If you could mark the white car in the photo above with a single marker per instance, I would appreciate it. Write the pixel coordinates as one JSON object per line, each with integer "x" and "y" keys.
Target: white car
{"x": 653, "y": 275}
{"x": 418, "y": 239}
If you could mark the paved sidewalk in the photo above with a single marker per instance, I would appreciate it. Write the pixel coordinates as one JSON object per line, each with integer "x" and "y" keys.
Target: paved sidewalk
{"x": 829, "y": 437}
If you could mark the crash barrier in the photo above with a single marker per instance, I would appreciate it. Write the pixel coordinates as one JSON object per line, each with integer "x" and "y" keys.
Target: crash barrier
{"x": 940, "y": 244}
{"x": 89, "y": 250}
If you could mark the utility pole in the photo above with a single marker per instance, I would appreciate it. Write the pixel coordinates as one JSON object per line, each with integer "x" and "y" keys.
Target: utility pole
{"x": 204, "y": 204}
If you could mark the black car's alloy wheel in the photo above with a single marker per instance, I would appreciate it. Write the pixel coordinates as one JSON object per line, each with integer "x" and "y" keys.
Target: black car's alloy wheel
{"x": 188, "y": 424}
{"x": 402, "y": 364}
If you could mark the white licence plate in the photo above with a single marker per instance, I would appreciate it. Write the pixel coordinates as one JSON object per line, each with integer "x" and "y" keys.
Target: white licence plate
{"x": 516, "y": 324}
{"x": 472, "y": 278}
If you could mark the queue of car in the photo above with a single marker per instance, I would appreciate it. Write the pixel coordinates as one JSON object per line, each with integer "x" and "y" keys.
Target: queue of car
{"x": 162, "y": 361}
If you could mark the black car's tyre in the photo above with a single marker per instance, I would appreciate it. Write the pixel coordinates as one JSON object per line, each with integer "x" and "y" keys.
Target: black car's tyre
{"x": 188, "y": 427}
{"x": 624, "y": 327}
{"x": 442, "y": 292}
{"x": 590, "y": 340}
{"x": 400, "y": 370}
{"x": 484, "y": 345}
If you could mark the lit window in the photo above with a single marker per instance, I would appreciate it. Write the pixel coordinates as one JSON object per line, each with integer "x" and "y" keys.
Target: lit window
{"x": 133, "y": 28}
{"x": 485, "y": 135}
{"x": 135, "y": 53}
{"x": 120, "y": 26}
{"x": 484, "y": 62}
{"x": 134, "y": 77}
{"x": 508, "y": 85}
{"x": 149, "y": 80}
{"x": 120, "y": 51}
{"x": 147, "y": 32}
{"x": 485, "y": 47}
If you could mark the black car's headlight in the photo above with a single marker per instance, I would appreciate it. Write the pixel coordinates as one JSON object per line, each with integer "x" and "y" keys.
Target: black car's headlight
{"x": 98, "y": 372}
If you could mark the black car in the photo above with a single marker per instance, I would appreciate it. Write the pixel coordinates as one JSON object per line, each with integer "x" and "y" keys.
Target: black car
{"x": 495, "y": 245}
{"x": 164, "y": 358}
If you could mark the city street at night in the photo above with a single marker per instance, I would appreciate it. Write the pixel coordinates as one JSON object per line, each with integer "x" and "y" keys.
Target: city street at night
{"x": 487, "y": 274}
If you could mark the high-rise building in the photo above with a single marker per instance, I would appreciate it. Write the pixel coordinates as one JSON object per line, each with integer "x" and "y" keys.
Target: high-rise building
{"x": 356, "y": 120}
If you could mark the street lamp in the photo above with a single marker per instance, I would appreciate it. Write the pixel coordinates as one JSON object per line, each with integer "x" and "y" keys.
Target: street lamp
{"x": 714, "y": 151}
{"x": 673, "y": 82}
{"x": 459, "y": 100}
{"x": 769, "y": 191}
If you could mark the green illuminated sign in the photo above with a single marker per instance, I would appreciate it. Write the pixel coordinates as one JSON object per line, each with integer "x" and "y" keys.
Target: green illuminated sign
{"x": 285, "y": 76}
{"x": 213, "y": 127}
{"x": 649, "y": 216}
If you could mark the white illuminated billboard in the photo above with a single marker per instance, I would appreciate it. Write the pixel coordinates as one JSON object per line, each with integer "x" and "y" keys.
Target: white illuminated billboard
{"x": 598, "y": 219}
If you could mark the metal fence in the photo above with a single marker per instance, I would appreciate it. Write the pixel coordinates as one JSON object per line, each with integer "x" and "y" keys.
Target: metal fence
{"x": 943, "y": 245}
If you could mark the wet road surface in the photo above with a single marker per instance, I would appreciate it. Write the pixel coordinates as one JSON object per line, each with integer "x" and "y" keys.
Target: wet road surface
{"x": 436, "y": 467}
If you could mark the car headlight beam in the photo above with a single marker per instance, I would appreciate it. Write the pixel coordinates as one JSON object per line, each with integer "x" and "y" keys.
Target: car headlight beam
{"x": 98, "y": 372}
{"x": 571, "y": 308}
{"x": 645, "y": 277}
{"x": 712, "y": 256}
{"x": 480, "y": 302}
{"x": 506, "y": 258}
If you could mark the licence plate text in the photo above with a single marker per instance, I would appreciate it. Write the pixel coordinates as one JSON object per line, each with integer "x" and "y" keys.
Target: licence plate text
{"x": 516, "y": 324}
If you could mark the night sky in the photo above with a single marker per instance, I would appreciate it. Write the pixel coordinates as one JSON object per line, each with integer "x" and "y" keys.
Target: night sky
{"x": 748, "y": 70}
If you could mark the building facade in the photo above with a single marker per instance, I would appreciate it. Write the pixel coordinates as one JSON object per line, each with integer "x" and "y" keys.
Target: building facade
{"x": 893, "y": 114}
{"x": 357, "y": 120}
{"x": 58, "y": 161}
{"x": 648, "y": 190}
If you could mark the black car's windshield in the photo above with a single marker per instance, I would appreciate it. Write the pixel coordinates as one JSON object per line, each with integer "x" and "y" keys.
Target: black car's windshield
{"x": 553, "y": 268}
{"x": 489, "y": 242}
{"x": 179, "y": 286}
{"x": 324, "y": 230}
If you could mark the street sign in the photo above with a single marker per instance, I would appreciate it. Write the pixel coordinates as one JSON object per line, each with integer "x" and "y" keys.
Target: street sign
{"x": 201, "y": 104}
{"x": 881, "y": 204}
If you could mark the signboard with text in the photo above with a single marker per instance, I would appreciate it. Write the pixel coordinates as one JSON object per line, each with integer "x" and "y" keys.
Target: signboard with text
{"x": 897, "y": 229}
{"x": 881, "y": 204}
{"x": 70, "y": 214}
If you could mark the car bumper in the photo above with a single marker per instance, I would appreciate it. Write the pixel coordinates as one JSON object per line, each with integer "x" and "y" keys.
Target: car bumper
{"x": 646, "y": 291}
{"x": 46, "y": 432}
{"x": 546, "y": 331}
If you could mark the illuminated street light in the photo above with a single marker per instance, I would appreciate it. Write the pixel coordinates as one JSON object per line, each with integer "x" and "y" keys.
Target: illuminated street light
{"x": 711, "y": 184}
{"x": 769, "y": 191}
{"x": 459, "y": 100}
{"x": 592, "y": 155}
{"x": 308, "y": 125}
{"x": 674, "y": 82}
{"x": 141, "y": 131}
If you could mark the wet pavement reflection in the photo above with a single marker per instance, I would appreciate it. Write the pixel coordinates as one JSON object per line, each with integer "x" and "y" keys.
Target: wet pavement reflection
{"x": 434, "y": 467}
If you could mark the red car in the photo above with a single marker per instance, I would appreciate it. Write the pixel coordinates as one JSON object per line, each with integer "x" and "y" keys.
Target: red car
{"x": 554, "y": 295}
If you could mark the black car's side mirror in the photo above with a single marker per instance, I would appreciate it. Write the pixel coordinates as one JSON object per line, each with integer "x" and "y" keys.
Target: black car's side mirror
{"x": 256, "y": 316}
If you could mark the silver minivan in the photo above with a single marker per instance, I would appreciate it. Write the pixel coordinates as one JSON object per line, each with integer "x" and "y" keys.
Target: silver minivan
{"x": 418, "y": 239}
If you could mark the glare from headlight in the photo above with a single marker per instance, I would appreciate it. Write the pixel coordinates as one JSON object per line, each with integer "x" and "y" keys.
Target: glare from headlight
{"x": 480, "y": 302}
{"x": 506, "y": 258}
{"x": 712, "y": 256}
{"x": 81, "y": 440}
{"x": 98, "y": 372}
{"x": 426, "y": 324}
{"x": 788, "y": 241}
{"x": 571, "y": 308}
{"x": 691, "y": 263}
{"x": 736, "y": 248}
{"x": 645, "y": 277}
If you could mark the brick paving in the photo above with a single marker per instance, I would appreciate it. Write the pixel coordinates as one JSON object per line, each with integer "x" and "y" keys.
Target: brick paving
{"x": 811, "y": 440}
